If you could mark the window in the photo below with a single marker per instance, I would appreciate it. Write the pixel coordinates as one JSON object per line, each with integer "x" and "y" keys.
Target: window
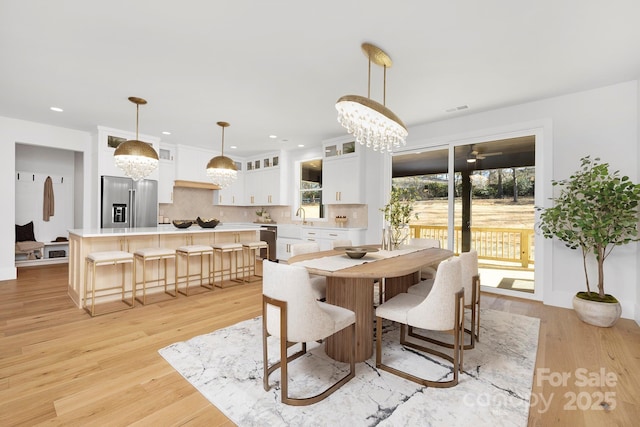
{"x": 311, "y": 188}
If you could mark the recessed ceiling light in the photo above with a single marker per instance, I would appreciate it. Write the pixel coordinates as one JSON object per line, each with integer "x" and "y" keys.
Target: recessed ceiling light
{"x": 300, "y": 145}
{"x": 166, "y": 133}
{"x": 273, "y": 136}
{"x": 234, "y": 147}
{"x": 56, "y": 109}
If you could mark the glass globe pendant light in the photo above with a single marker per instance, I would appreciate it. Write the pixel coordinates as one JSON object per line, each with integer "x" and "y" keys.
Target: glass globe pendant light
{"x": 370, "y": 122}
{"x": 222, "y": 170}
{"x": 136, "y": 158}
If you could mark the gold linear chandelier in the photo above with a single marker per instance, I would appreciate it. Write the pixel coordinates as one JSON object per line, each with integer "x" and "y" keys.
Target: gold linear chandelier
{"x": 370, "y": 122}
{"x": 136, "y": 158}
{"x": 222, "y": 170}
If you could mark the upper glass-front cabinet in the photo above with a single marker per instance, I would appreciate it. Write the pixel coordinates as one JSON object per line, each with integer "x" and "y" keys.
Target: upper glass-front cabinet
{"x": 267, "y": 162}
{"x": 339, "y": 149}
{"x": 165, "y": 154}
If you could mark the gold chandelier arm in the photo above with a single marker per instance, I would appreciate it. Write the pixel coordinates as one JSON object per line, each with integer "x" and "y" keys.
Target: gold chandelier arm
{"x": 138, "y": 102}
{"x": 223, "y": 125}
{"x": 137, "y": 118}
{"x": 369, "y": 80}
{"x": 384, "y": 87}
{"x": 222, "y": 147}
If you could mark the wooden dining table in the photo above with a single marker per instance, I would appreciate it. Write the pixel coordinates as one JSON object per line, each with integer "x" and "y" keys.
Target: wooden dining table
{"x": 352, "y": 287}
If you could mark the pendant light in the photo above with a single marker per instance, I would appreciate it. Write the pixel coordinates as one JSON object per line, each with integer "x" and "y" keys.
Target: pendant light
{"x": 222, "y": 170}
{"x": 370, "y": 122}
{"x": 136, "y": 158}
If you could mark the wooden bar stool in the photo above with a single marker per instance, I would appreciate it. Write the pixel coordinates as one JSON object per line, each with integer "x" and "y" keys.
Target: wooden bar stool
{"x": 250, "y": 251}
{"x": 185, "y": 253}
{"x": 101, "y": 259}
{"x": 227, "y": 248}
{"x": 162, "y": 255}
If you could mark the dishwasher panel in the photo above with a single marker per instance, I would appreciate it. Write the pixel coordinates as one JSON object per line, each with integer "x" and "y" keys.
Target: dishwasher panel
{"x": 269, "y": 234}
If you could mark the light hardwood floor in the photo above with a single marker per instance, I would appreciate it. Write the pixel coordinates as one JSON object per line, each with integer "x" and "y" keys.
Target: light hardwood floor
{"x": 59, "y": 366}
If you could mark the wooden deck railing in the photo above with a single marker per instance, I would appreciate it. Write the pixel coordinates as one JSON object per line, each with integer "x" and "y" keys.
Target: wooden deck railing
{"x": 496, "y": 244}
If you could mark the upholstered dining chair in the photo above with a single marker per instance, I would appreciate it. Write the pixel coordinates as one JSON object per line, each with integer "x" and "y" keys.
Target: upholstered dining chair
{"x": 441, "y": 310}
{"x": 427, "y": 272}
{"x": 291, "y": 313}
{"x": 318, "y": 283}
{"x": 471, "y": 284}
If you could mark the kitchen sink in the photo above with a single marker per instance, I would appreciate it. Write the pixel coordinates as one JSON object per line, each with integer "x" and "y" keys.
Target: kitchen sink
{"x": 290, "y": 231}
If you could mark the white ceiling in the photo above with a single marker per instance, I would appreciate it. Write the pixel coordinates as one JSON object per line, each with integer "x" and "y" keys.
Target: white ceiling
{"x": 277, "y": 67}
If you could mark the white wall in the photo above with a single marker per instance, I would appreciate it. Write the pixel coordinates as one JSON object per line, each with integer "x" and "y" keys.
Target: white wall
{"x": 637, "y": 309}
{"x": 601, "y": 122}
{"x": 14, "y": 131}
{"x": 33, "y": 165}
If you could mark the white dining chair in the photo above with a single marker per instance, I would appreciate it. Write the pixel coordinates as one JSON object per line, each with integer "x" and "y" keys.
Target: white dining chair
{"x": 318, "y": 283}
{"x": 428, "y": 271}
{"x": 291, "y": 313}
{"x": 441, "y": 310}
{"x": 471, "y": 283}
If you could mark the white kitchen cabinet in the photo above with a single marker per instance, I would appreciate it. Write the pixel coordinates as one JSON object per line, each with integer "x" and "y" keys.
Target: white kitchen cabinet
{"x": 288, "y": 234}
{"x": 283, "y": 247}
{"x": 342, "y": 172}
{"x": 167, "y": 152}
{"x": 167, "y": 171}
{"x": 342, "y": 181}
{"x": 339, "y": 147}
{"x": 265, "y": 187}
{"x": 252, "y": 188}
{"x": 266, "y": 180}
{"x": 233, "y": 195}
{"x": 324, "y": 237}
{"x": 271, "y": 186}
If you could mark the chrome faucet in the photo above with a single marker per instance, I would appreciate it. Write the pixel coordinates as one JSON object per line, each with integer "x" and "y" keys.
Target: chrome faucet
{"x": 304, "y": 215}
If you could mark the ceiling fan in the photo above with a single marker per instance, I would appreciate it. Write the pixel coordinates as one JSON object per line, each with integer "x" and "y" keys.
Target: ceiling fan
{"x": 476, "y": 155}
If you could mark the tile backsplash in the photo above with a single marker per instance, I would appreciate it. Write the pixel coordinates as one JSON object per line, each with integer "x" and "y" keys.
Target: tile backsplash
{"x": 189, "y": 203}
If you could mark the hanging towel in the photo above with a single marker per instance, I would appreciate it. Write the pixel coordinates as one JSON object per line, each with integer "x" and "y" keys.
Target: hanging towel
{"x": 48, "y": 206}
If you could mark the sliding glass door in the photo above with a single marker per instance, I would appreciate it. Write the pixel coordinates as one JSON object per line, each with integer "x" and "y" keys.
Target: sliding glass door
{"x": 478, "y": 196}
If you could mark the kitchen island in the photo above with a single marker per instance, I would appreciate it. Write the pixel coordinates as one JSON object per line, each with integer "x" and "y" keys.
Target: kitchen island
{"x": 84, "y": 241}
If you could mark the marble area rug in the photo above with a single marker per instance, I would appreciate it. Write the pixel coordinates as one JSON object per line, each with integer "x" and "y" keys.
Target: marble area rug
{"x": 494, "y": 390}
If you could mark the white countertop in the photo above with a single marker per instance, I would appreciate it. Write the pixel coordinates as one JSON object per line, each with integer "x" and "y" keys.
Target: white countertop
{"x": 316, "y": 225}
{"x": 170, "y": 229}
{"x": 160, "y": 229}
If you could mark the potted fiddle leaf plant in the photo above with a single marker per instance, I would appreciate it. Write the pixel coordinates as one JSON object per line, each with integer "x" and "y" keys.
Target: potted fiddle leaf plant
{"x": 398, "y": 212}
{"x": 595, "y": 211}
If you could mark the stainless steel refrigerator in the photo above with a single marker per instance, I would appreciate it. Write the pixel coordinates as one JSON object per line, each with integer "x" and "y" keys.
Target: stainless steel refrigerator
{"x": 127, "y": 203}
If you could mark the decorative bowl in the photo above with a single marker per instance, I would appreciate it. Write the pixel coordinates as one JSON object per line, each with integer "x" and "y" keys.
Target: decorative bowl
{"x": 182, "y": 223}
{"x": 207, "y": 223}
{"x": 358, "y": 251}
